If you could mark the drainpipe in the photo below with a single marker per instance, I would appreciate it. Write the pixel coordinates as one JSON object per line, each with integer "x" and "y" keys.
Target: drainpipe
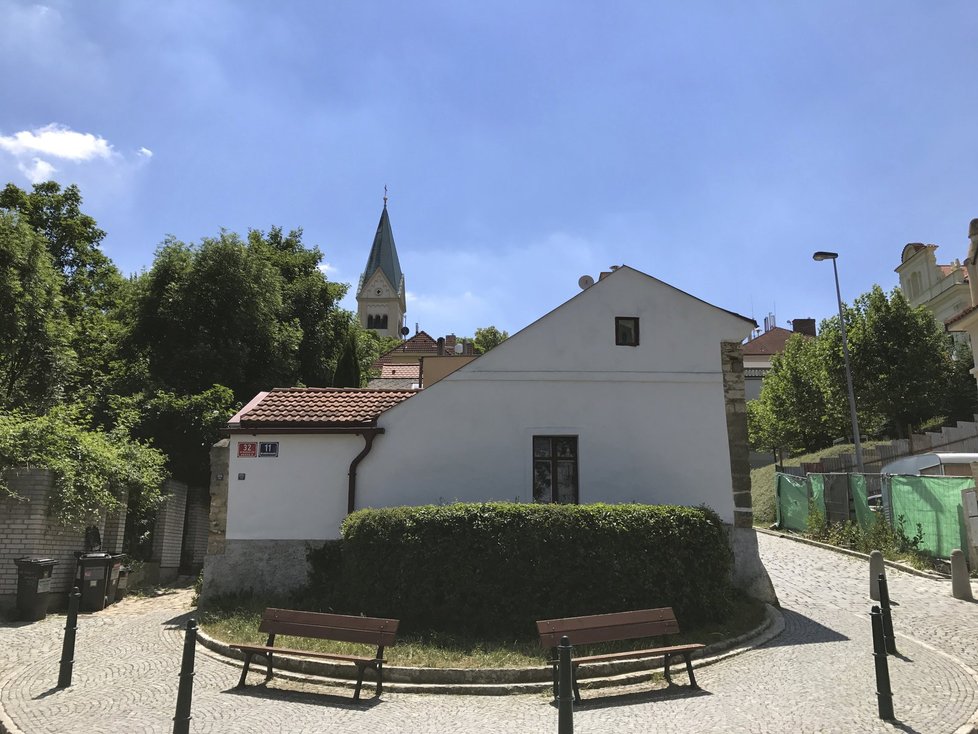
{"x": 368, "y": 439}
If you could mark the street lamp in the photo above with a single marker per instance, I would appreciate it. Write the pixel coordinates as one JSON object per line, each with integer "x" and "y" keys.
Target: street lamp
{"x": 833, "y": 256}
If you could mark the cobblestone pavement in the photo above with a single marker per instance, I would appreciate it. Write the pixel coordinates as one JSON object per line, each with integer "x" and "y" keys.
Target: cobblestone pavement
{"x": 817, "y": 676}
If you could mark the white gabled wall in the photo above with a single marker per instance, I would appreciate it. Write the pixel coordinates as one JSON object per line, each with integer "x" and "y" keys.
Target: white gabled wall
{"x": 650, "y": 419}
{"x": 300, "y": 495}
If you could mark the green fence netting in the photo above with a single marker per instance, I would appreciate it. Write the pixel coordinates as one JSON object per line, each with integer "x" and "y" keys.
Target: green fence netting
{"x": 857, "y": 488}
{"x": 935, "y": 504}
{"x": 816, "y": 484}
{"x": 792, "y": 502}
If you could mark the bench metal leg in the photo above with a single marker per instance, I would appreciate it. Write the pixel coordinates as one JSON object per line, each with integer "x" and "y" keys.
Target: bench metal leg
{"x": 665, "y": 668}
{"x": 689, "y": 670}
{"x": 577, "y": 691}
{"x": 380, "y": 677}
{"x": 553, "y": 667}
{"x": 356, "y": 693}
{"x": 268, "y": 668}
{"x": 244, "y": 672}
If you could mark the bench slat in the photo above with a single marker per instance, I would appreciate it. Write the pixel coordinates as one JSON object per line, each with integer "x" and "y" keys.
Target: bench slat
{"x": 650, "y": 653}
{"x": 305, "y": 653}
{"x": 608, "y": 627}
{"x": 341, "y": 634}
{"x": 343, "y": 621}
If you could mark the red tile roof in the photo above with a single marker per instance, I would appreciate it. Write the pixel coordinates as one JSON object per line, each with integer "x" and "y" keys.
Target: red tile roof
{"x": 947, "y": 270}
{"x": 318, "y": 407}
{"x": 395, "y": 370}
{"x": 770, "y": 342}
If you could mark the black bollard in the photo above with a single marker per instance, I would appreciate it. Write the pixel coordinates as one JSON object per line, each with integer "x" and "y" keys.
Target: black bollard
{"x": 884, "y": 696}
{"x": 68, "y": 646}
{"x": 887, "y": 618}
{"x": 181, "y": 722}
{"x": 565, "y": 689}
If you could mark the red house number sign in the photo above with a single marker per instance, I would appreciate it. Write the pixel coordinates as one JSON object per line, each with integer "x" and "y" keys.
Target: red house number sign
{"x": 247, "y": 449}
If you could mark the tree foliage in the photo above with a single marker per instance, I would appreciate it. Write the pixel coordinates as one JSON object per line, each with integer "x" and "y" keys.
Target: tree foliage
{"x": 91, "y": 286}
{"x": 902, "y": 374}
{"x": 348, "y": 372}
{"x": 94, "y": 470}
{"x": 487, "y": 337}
{"x": 35, "y": 335}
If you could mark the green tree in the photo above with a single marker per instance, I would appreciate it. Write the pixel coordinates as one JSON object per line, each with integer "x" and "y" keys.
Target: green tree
{"x": 35, "y": 356}
{"x": 213, "y": 314}
{"x": 791, "y": 411}
{"x": 902, "y": 373}
{"x": 91, "y": 286}
{"x": 901, "y": 363}
{"x": 488, "y": 337}
{"x": 348, "y": 372}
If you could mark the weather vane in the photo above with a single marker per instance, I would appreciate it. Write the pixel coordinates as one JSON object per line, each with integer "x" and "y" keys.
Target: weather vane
{"x": 385, "y": 196}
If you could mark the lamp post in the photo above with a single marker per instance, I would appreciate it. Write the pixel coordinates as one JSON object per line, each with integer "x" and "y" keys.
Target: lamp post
{"x": 833, "y": 256}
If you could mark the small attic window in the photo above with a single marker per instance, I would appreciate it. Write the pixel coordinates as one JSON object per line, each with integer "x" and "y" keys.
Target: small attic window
{"x": 626, "y": 331}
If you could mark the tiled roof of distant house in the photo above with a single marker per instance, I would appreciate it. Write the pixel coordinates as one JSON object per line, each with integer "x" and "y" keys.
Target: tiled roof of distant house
{"x": 770, "y": 342}
{"x": 421, "y": 345}
{"x": 400, "y": 370}
{"x": 317, "y": 407}
{"x": 947, "y": 270}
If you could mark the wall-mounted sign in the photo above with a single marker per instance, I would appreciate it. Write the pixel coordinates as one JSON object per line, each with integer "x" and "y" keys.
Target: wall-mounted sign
{"x": 268, "y": 448}
{"x": 247, "y": 449}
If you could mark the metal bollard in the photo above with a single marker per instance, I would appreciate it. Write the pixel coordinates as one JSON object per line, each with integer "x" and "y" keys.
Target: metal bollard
{"x": 884, "y": 695}
{"x": 885, "y": 615}
{"x": 565, "y": 688}
{"x": 68, "y": 646}
{"x": 181, "y": 721}
{"x": 876, "y": 567}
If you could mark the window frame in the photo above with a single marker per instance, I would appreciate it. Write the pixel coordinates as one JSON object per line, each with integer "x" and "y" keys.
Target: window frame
{"x": 553, "y": 459}
{"x": 618, "y": 340}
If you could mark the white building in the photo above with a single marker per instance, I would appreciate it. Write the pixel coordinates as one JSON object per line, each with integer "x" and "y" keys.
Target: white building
{"x": 941, "y": 289}
{"x": 631, "y": 391}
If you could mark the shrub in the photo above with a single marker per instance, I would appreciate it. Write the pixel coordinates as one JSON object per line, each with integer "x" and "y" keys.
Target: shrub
{"x": 494, "y": 568}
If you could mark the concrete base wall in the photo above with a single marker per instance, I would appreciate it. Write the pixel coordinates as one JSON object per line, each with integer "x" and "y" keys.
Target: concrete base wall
{"x": 268, "y": 567}
{"x": 749, "y": 574}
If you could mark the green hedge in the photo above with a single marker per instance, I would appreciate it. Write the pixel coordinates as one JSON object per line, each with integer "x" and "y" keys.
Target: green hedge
{"x": 493, "y": 569}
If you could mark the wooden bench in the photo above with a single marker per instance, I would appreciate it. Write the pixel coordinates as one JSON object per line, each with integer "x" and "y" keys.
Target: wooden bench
{"x": 612, "y": 627}
{"x": 369, "y": 630}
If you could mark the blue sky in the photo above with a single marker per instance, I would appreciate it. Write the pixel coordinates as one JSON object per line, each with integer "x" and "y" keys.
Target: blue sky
{"x": 712, "y": 145}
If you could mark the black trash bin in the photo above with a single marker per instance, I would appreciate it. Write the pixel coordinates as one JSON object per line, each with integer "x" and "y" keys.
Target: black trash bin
{"x": 33, "y": 587}
{"x": 92, "y": 578}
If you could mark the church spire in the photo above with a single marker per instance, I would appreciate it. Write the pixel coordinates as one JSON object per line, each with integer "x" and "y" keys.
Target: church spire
{"x": 381, "y": 296}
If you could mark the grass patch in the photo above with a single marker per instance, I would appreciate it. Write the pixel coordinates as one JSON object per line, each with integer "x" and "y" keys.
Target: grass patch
{"x": 236, "y": 619}
{"x": 762, "y": 480}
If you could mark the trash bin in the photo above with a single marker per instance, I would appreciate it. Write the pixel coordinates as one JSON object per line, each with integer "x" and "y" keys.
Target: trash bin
{"x": 123, "y": 587}
{"x": 92, "y": 579}
{"x": 33, "y": 587}
{"x": 115, "y": 574}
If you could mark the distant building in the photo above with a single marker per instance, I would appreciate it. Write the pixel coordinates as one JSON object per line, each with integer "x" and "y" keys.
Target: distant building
{"x": 760, "y": 350}
{"x": 941, "y": 289}
{"x": 966, "y": 320}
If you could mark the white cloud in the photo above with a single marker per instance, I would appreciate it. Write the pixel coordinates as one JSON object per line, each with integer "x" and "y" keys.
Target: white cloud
{"x": 57, "y": 141}
{"x": 327, "y": 268}
{"x": 38, "y": 170}
{"x": 145, "y": 152}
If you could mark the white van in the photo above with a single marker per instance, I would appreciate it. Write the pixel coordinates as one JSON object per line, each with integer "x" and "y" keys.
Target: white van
{"x": 948, "y": 465}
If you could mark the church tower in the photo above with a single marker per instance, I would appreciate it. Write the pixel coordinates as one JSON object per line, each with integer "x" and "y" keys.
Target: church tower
{"x": 380, "y": 297}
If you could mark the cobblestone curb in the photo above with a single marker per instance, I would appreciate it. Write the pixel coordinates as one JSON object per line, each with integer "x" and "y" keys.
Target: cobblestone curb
{"x": 933, "y": 575}
{"x": 503, "y": 681}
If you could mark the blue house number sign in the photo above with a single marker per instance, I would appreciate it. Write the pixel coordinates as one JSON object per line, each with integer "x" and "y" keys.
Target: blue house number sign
{"x": 268, "y": 448}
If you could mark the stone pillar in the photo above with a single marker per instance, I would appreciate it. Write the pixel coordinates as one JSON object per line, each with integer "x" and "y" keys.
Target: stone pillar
{"x": 214, "y": 560}
{"x": 748, "y": 573}
{"x": 736, "y": 409}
